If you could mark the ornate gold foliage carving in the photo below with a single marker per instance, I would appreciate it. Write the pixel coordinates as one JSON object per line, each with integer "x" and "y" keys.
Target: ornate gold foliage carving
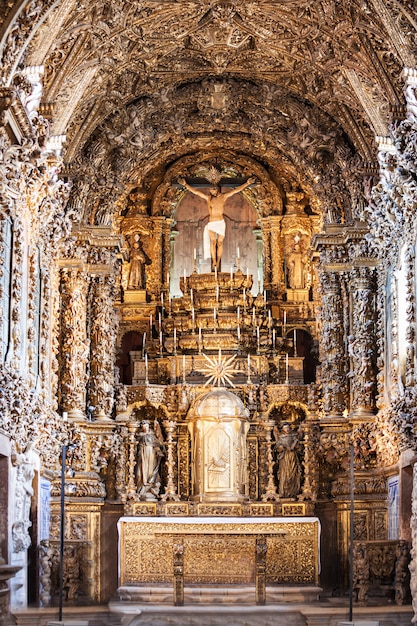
{"x": 147, "y": 552}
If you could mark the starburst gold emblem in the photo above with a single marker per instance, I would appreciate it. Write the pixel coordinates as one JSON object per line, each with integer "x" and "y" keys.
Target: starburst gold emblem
{"x": 220, "y": 370}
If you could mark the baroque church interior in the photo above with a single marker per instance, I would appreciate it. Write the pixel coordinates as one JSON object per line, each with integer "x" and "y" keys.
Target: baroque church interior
{"x": 208, "y": 322}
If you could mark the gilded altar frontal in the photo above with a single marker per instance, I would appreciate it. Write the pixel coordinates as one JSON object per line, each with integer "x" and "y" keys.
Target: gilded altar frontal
{"x": 208, "y": 320}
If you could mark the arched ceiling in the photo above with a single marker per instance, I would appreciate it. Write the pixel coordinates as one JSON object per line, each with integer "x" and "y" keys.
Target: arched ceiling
{"x": 303, "y": 88}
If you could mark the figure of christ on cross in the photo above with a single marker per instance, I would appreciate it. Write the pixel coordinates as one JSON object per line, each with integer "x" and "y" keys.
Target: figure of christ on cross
{"x": 215, "y": 230}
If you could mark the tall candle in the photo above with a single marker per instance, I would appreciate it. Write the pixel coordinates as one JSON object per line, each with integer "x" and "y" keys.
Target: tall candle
{"x": 295, "y": 342}
{"x": 199, "y": 334}
{"x": 238, "y": 253}
{"x": 193, "y": 315}
{"x": 273, "y": 338}
{"x": 150, "y": 321}
{"x": 286, "y": 367}
{"x": 195, "y": 254}
{"x": 159, "y": 321}
{"x": 247, "y": 272}
{"x": 285, "y": 319}
{"x": 215, "y": 272}
{"x": 168, "y": 279}
{"x": 238, "y": 333}
{"x": 183, "y": 367}
{"x": 160, "y": 340}
{"x": 143, "y": 343}
{"x": 146, "y": 368}
{"x": 191, "y": 296}
{"x": 162, "y": 299}
{"x": 214, "y": 313}
{"x": 257, "y": 335}
{"x": 217, "y": 293}
{"x": 238, "y": 314}
{"x": 175, "y": 338}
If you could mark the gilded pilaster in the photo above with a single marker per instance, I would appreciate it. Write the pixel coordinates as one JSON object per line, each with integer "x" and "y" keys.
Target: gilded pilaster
{"x": 75, "y": 346}
{"x": 276, "y": 257}
{"x": 266, "y": 240}
{"x": 103, "y": 347}
{"x": 361, "y": 342}
{"x": 331, "y": 345}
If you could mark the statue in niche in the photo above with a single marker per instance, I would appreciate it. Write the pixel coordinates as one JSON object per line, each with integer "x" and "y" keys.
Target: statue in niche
{"x": 296, "y": 267}
{"x": 215, "y": 230}
{"x": 136, "y": 279}
{"x": 151, "y": 450}
{"x": 286, "y": 448}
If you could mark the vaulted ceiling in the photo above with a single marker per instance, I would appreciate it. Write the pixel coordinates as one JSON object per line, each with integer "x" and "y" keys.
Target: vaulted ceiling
{"x": 301, "y": 88}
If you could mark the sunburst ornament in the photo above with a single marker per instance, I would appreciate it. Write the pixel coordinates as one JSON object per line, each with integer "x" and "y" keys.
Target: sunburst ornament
{"x": 213, "y": 175}
{"x": 220, "y": 370}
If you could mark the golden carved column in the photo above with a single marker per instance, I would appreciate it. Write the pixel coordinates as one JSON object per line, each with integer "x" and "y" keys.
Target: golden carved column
{"x": 266, "y": 242}
{"x": 103, "y": 347}
{"x": 270, "y": 493}
{"x": 276, "y": 257}
{"x": 75, "y": 347}
{"x": 158, "y": 254}
{"x": 170, "y": 489}
{"x": 331, "y": 345}
{"x": 166, "y": 252}
{"x": 361, "y": 343}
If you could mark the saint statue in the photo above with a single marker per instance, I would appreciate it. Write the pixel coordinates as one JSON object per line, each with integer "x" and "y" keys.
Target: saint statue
{"x": 296, "y": 264}
{"x": 136, "y": 278}
{"x": 289, "y": 466}
{"x": 214, "y": 231}
{"x": 149, "y": 457}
